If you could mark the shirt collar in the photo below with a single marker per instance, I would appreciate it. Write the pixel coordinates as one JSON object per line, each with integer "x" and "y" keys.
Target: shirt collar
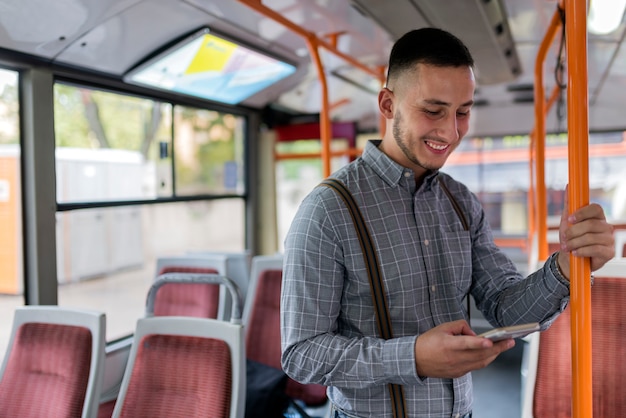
{"x": 390, "y": 171}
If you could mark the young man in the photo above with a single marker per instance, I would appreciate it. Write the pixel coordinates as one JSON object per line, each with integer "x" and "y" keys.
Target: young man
{"x": 428, "y": 261}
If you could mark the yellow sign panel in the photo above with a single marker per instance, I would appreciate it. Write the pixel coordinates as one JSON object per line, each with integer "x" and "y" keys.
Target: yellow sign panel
{"x": 213, "y": 55}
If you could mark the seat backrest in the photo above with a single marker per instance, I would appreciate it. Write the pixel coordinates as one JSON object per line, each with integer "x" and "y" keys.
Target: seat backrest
{"x": 199, "y": 300}
{"x": 193, "y": 281}
{"x": 54, "y": 363}
{"x": 185, "y": 366}
{"x": 262, "y": 320}
{"x": 552, "y": 390}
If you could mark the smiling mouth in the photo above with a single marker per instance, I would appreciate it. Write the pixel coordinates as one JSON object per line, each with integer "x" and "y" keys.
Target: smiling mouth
{"x": 437, "y": 147}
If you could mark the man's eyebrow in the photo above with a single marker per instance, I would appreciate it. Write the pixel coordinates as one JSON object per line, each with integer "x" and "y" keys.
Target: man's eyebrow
{"x": 437, "y": 102}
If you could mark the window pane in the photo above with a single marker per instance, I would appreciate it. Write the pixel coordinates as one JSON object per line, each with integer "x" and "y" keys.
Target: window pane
{"x": 117, "y": 147}
{"x": 107, "y": 256}
{"x": 110, "y": 146}
{"x": 208, "y": 152}
{"x": 497, "y": 170}
{"x": 11, "y": 274}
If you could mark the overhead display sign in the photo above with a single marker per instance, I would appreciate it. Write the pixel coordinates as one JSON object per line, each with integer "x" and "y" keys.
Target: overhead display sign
{"x": 211, "y": 67}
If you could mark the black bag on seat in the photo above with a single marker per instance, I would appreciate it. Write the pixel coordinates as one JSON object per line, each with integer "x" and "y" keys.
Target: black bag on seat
{"x": 265, "y": 391}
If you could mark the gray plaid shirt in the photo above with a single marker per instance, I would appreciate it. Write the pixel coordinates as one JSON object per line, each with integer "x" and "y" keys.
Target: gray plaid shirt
{"x": 429, "y": 263}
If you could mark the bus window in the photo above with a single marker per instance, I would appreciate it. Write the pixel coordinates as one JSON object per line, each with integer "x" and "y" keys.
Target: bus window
{"x": 498, "y": 171}
{"x": 208, "y": 148}
{"x": 110, "y": 146}
{"x": 116, "y": 157}
{"x": 106, "y": 257}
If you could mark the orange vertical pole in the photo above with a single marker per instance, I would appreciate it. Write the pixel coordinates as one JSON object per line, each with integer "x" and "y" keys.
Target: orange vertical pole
{"x": 532, "y": 207}
{"x": 540, "y": 137}
{"x": 578, "y": 162}
{"x": 325, "y": 127}
{"x": 381, "y": 119}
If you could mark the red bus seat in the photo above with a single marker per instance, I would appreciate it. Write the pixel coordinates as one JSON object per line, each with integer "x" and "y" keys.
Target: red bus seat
{"x": 184, "y": 366}
{"x": 553, "y": 387}
{"x": 188, "y": 299}
{"x": 54, "y": 364}
{"x": 262, "y": 319}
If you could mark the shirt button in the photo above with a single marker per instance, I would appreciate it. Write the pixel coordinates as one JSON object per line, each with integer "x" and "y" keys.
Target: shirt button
{"x": 458, "y": 416}
{"x": 426, "y": 242}
{"x": 407, "y": 174}
{"x": 433, "y": 287}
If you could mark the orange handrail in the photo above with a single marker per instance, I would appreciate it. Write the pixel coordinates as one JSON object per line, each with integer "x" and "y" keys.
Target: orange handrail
{"x": 258, "y": 6}
{"x": 325, "y": 128}
{"x": 540, "y": 138}
{"x": 532, "y": 216}
{"x": 578, "y": 193}
{"x": 313, "y": 43}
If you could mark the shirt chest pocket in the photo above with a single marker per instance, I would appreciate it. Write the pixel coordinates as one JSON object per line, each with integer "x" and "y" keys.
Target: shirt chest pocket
{"x": 455, "y": 261}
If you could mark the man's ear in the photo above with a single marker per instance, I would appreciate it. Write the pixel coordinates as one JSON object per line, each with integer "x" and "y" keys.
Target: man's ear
{"x": 385, "y": 102}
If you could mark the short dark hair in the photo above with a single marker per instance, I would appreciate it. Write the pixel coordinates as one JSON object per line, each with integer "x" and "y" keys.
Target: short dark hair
{"x": 431, "y": 46}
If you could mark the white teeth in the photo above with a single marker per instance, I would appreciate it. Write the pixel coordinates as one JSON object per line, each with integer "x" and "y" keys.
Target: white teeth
{"x": 436, "y": 146}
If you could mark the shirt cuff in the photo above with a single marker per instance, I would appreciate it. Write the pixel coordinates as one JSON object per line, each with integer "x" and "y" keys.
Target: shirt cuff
{"x": 399, "y": 361}
{"x": 556, "y": 271}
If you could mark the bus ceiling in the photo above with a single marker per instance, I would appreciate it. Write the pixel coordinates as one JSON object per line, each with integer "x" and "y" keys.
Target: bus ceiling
{"x": 503, "y": 35}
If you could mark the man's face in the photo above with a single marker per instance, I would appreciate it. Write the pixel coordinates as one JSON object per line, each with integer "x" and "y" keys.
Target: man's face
{"x": 430, "y": 108}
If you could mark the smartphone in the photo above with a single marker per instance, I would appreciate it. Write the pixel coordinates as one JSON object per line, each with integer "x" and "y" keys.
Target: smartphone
{"x": 514, "y": 331}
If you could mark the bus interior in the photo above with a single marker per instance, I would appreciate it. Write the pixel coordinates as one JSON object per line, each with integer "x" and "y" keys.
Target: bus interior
{"x": 132, "y": 131}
